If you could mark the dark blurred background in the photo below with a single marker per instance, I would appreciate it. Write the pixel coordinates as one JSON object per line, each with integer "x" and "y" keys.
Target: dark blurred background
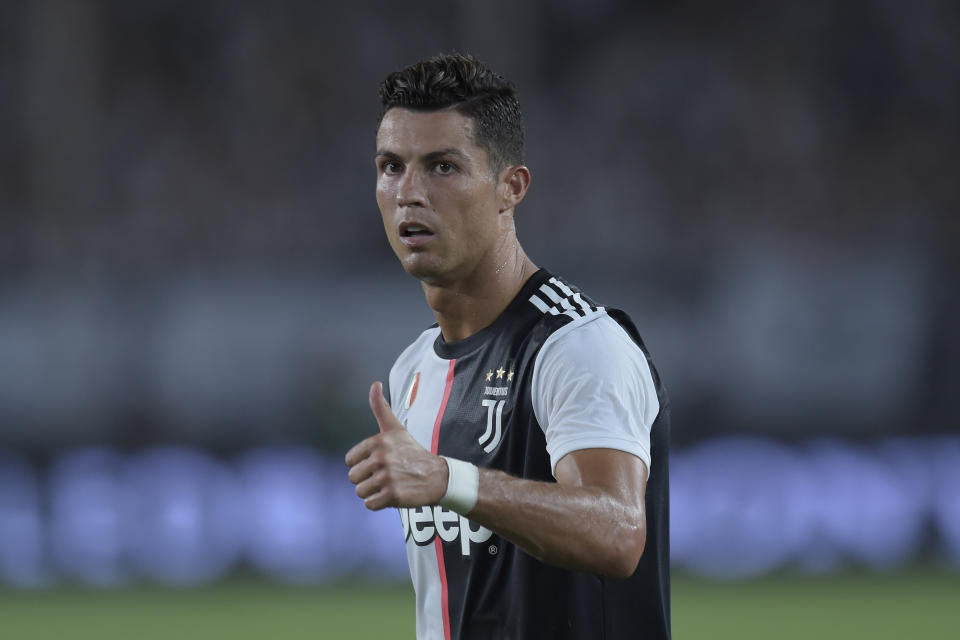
{"x": 195, "y": 289}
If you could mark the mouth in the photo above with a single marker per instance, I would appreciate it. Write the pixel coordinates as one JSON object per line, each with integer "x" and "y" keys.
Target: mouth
{"x": 415, "y": 235}
{"x": 414, "y": 230}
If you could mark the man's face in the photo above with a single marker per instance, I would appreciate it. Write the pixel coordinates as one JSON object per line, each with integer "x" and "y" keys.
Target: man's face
{"x": 436, "y": 193}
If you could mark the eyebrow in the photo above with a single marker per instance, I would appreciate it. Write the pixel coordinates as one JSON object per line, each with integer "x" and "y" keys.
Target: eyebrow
{"x": 433, "y": 155}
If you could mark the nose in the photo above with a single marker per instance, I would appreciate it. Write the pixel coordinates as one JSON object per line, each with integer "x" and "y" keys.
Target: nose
{"x": 410, "y": 191}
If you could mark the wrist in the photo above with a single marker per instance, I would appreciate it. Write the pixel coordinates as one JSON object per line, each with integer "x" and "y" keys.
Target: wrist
{"x": 463, "y": 486}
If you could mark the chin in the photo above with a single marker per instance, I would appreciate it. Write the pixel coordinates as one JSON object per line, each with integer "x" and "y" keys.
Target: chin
{"x": 421, "y": 267}
{"x": 425, "y": 268}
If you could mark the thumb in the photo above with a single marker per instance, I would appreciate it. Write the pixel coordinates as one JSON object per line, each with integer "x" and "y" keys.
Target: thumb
{"x": 381, "y": 409}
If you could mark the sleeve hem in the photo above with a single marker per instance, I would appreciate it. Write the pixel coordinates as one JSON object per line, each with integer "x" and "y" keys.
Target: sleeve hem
{"x": 594, "y": 442}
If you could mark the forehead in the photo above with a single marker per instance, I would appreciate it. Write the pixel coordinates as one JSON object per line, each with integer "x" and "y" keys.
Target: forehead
{"x": 411, "y": 133}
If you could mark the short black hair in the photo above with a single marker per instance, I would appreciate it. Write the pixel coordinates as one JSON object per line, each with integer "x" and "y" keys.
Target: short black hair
{"x": 470, "y": 88}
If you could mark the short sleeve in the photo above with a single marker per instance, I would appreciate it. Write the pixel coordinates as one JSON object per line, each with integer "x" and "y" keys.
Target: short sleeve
{"x": 592, "y": 388}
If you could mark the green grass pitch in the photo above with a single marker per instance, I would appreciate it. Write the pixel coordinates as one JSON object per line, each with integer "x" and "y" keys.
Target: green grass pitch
{"x": 916, "y": 604}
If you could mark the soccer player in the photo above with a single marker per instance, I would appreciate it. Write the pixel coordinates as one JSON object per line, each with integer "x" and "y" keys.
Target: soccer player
{"x": 526, "y": 437}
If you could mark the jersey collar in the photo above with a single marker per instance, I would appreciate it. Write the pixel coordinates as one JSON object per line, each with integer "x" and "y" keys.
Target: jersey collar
{"x": 518, "y": 308}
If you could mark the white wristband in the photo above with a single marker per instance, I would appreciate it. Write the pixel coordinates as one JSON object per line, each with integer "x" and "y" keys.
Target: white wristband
{"x": 463, "y": 486}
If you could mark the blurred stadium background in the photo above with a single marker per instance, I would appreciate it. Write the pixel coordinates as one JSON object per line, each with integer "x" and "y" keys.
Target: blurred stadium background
{"x": 195, "y": 294}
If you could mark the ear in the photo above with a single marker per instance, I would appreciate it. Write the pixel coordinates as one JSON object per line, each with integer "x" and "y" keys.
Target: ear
{"x": 514, "y": 182}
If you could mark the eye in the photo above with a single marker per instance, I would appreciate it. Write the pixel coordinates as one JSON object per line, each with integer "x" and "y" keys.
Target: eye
{"x": 391, "y": 167}
{"x": 444, "y": 168}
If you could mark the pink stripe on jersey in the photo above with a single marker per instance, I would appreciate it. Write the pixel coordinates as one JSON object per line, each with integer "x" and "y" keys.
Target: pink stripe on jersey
{"x": 444, "y": 604}
{"x": 443, "y": 406}
{"x": 438, "y": 545}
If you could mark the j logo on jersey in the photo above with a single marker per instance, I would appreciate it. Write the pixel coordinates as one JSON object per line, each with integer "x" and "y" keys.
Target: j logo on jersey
{"x": 494, "y": 402}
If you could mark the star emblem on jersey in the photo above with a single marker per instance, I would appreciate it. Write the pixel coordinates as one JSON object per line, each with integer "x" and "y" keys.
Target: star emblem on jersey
{"x": 494, "y": 404}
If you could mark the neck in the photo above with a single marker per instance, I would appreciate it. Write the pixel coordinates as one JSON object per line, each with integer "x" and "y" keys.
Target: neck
{"x": 468, "y": 305}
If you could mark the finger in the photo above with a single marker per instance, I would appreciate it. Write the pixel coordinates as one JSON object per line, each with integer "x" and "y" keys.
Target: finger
{"x": 359, "y": 451}
{"x": 362, "y": 470}
{"x": 370, "y": 486}
{"x": 381, "y": 409}
{"x": 378, "y": 501}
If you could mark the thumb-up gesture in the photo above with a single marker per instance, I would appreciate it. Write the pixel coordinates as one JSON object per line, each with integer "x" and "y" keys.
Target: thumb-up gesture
{"x": 391, "y": 469}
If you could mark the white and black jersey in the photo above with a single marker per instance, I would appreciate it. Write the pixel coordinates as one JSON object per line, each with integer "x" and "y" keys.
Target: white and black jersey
{"x": 554, "y": 373}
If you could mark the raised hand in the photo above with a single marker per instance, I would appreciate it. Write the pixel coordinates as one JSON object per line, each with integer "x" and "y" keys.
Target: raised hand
{"x": 391, "y": 469}
{"x": 386, "y": 419}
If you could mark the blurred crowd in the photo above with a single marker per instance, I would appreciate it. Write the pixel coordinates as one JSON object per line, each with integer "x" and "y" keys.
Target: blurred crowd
{"x": 179, "y": 516}
{"x": 190, "y": 250}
